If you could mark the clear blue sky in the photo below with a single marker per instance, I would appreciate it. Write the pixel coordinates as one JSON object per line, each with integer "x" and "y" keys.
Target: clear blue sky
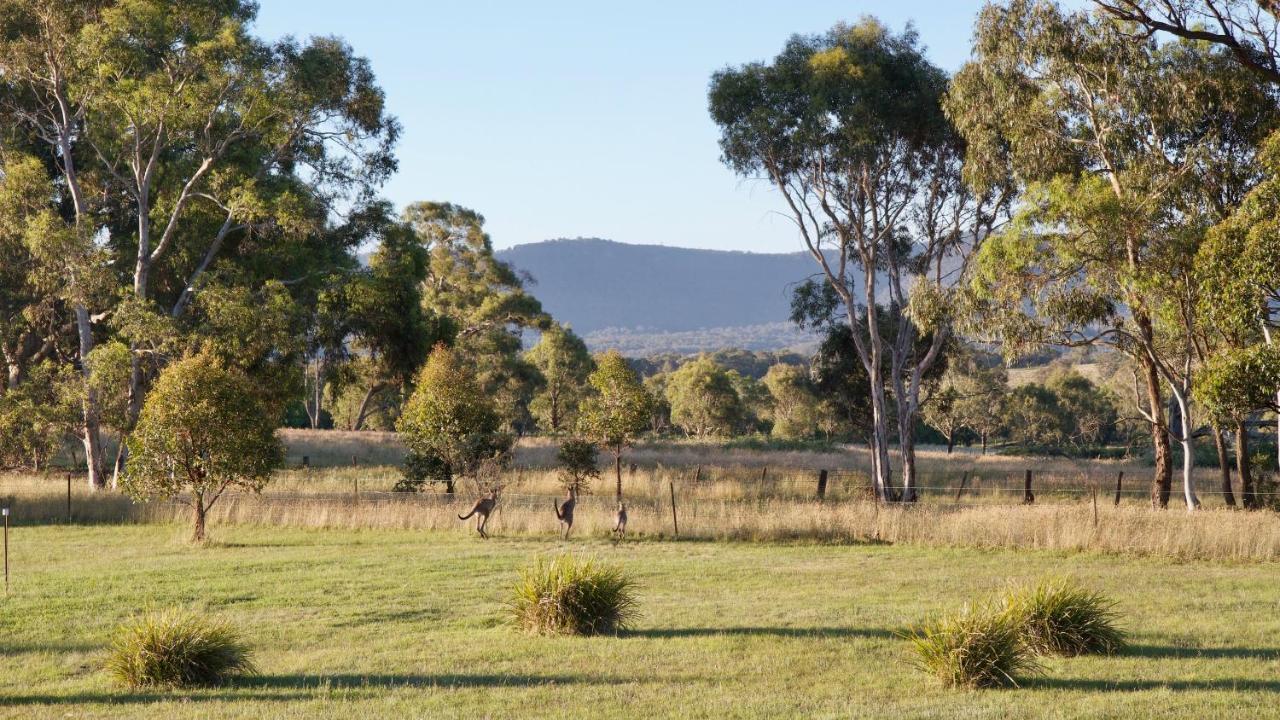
{"x": 586, "y": 118}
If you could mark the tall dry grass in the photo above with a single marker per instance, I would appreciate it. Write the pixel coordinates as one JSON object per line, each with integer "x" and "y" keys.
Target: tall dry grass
{"x": 1215, "y": 534}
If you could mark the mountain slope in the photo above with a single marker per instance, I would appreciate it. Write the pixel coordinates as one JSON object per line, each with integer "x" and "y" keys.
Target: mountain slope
{"x": 595, "y": 285}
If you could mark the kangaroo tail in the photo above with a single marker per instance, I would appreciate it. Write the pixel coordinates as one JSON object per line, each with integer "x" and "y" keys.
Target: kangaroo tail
{"x": 464, "y": 517}
{"x": 559, "y": 514}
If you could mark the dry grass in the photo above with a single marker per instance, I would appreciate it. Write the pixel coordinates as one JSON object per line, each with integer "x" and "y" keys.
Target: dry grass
{"x": 735, "y": 500}
{"x": 1068, "y": 526}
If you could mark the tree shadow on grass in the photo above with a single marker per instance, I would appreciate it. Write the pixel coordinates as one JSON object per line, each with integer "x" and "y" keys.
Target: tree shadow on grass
{"x": 52, "y": 646}
{"x": 1090, "y": 685}
{"x": 287, "y": 688}
{"x": 777, "y": 632}
{"x": 445, "y": 680}
{"x": 1181, "y": 652}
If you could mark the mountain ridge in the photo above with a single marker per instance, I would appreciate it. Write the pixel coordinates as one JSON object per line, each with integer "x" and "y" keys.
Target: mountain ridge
{"x": 597, "y": 285}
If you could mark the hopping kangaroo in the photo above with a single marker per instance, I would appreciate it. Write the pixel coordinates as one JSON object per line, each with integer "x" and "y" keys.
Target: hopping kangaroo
{"x": 564, "y": 512}
{"x": 620, "y": 521}
{"x": 482, "y": 509}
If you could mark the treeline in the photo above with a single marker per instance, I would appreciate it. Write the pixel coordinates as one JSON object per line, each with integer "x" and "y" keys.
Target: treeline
{"x": 1097, "y": 177}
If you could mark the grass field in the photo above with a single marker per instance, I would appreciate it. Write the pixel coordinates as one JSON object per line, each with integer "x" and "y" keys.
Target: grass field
{"x": 387, "y": 623}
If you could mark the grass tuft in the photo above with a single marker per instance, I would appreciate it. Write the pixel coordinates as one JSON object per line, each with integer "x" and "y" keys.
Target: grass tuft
{"x": 175, "y": 649}
{"x": 1058, "y": 616}
{"x": 978, "y": 647}
{"x": 573, "y": 596}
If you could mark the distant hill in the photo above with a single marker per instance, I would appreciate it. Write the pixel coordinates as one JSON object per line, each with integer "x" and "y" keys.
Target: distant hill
{"x": 653, "y": 297}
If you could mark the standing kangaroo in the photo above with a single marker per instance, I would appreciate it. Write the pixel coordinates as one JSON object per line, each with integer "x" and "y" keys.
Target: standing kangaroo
{"x": 564, "y": 512}
{"x": 620, "y": 521}
{"x": 482, "y": 509}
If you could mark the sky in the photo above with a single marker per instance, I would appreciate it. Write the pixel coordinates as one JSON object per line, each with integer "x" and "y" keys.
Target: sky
{"x": 587, "y": 118}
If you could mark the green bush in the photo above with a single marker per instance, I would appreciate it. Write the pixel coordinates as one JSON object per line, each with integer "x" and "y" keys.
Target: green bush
{"x": 1058, "y": 616}
{"x": 978, "y": 647}
{"x": 572, "y": 596}
{"x": 174, "y": 649}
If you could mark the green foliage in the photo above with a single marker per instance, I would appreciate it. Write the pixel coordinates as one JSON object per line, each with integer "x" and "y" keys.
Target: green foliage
{"x": 578, "y": 464}
{"x": 573, "y": 596}
{"x": 1069, "y": 414}
{"x": 703, "y": 399}
{"x": 795, "y": 408}
{"x": 565, "y": 363}
{"x": 978, "y": 647}
{"x": 618, "y": 411}
{"x": 449, "y": 425}
{"x": 204, "y": 428}
{"x": 38, "y": 414}
{"x": 174, "y": 649}
{"x": 1058, "y": 616}
{"x": 482, "y": 304}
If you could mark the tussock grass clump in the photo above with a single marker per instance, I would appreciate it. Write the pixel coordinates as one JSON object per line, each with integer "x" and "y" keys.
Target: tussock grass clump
{"x": 573, "y": 596}
{"x": 1058, "y": 616}
{"x": 978, "y": 647}
{"x": 174, "y": 648}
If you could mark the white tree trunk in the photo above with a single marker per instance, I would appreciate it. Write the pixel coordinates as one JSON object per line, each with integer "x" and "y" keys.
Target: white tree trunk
{"x": 1188, "y": 450}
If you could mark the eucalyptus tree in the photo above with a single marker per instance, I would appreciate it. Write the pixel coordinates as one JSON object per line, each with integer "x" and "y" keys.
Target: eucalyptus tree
{"x": 848, "y": 127}
{"x": 1245, "y": 28}
{"x": 180, "y": 143}
{"x": 481, "y": 302}
{"x": 703, "y": 399}
{"x": 1247, "y": 31}
{"x": 450, "y": 425}
{"x": 618, "y": 411}
{"x": 1127, "y": 151}
{"x": 794, "y": 405}
{"x": 565, "y": 363}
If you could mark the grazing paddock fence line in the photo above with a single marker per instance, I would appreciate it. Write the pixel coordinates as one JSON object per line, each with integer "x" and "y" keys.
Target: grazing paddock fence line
{"x": 969, "y": 510}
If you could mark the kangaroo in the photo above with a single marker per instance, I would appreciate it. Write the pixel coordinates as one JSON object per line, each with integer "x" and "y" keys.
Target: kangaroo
{"x": 482, "y": 509}
{"x": 564, "y": 512}
{"x": 620, "y": 521}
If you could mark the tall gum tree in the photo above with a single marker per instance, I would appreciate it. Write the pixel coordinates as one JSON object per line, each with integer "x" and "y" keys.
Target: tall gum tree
{"x": 1127, "y": 151}
{"x": 1248, "y": 31}
{"x": 179, "y": 139}
{"x": 848, "y": 127}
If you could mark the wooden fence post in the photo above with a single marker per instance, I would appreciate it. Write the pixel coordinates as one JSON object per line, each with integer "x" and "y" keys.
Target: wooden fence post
{"x": 1093, "y": 490}
{"x": 697, "y": 475}
{"x": 68, "y": 498}
{"x": 822, "y": 484}
{"x": 764, "y": 474}
{"x": 1027, "y": 496}
{"x": 1119, "y": 480}
{"x": 675, "y": 521}
{"x": 963, "y": 481}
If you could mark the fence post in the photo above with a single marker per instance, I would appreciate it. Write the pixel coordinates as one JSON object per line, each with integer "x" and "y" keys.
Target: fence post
{"x": 1093, "y": 490}
{"x": 675, "y": 522}
{"x": 6, "y": 550}
{"x": 355, "y": 461}
{"x": 1027, "y": 496}
{"x": 68, "y": 497}
{"x": 1119, "y": 479}
{"x": 764, "y": 474}
{"x": 697, "y": 475}
{"x": 964, "y": 479}
{"x": 822, "y": 485}
{"x": 355, "y": 488}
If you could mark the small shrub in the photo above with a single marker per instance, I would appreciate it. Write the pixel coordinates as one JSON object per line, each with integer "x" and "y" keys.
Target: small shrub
{"x": 1060, "y": 617}
{"x": 977, "y": 647}
{"x": 174, "y": 649}
{"x": 571, "y": 596}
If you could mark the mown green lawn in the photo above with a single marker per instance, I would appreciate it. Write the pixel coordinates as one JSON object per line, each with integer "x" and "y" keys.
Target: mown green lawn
{"x": 402, "y": 624}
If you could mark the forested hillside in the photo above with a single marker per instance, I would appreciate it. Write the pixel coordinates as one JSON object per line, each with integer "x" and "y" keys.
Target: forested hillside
{"x": 595, "y": 285}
